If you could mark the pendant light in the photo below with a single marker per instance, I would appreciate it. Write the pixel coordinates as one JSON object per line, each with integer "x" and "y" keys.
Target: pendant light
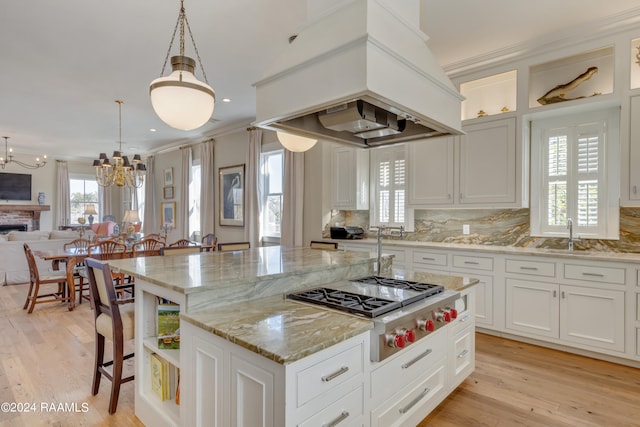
{"x": 180, "y": 99}
{"x": 295, "y": 143}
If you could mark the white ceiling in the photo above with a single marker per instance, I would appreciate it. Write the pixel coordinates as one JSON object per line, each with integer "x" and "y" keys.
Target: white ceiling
{"x": 65, "y": 62}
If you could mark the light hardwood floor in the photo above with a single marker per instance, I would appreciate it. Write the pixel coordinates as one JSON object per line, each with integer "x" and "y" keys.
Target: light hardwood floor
{"x": 47, "y": 356}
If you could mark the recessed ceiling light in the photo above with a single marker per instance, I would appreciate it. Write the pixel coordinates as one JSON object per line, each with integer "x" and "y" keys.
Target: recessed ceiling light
{"x": 226, "y": 100}
{"x": 152, "y": 130}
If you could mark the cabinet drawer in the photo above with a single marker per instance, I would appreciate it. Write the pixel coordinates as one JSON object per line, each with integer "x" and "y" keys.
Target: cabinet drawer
{"x": 463, "y": 351}
{"x": 433, "y": 258}
{"x": 535, "y": 268}
{"x": 347, "y": 411}
{"x": 329, "y": 373}
{"x": 418, "y": 399}
{"x": 594, "y": 274}
{"x": 473, "y": 262}
{"x": 398, "y": 372}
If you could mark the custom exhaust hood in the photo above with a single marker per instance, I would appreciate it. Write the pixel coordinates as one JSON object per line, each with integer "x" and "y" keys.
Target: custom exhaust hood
{"x": 360, "y": 73}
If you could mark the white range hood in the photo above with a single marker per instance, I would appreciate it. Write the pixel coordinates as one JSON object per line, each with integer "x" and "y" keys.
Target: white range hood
{"x": 360, "y": 72}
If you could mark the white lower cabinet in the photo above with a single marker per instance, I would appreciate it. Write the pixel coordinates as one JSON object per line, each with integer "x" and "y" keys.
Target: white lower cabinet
{"x": 590, "y": 317}
{"x": 226, "y": 384}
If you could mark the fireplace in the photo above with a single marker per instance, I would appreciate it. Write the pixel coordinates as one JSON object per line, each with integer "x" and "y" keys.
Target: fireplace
{"x": 5, "y": 228}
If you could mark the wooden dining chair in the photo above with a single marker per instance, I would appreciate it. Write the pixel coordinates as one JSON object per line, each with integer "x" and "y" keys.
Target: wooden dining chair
{"x": 114, "y": 321}
{"x": 236, "y": 246}
{"x": 63, "y": 279}
{"x": 110, "y": 249}
{"x": 156, "y": 236}
{"x": 183, "y": 242}
{"x": 79, "y": 245}
{"x": 147, "y": 247}
{"x": 180, "y": 250}
{"x": 209, "y": 242}
{"x": 317, "y": 244}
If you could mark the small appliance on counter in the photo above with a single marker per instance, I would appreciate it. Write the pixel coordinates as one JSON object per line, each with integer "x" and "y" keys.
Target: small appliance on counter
{"x": 347, "y": 232}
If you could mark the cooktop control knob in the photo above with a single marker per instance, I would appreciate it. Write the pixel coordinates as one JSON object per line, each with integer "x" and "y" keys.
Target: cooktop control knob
{"x": 443, "y": 316}
{"x": 453, "y": 312}
{"x": 410, "y": 335}
{"x": 395, "y": 340}
{"x": 426, "y": 325}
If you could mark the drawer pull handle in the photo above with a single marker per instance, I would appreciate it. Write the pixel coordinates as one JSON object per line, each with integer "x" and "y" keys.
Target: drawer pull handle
{"x": 555, "y": 293}
{"x": 463, "y": 353}
{"x": 593, "y": 274}
{"x": 428, "y": 259}
{"x": 472, "y": 262}
{"x": 336, "y": 374}
{"x": 415, "y": 401}
{"x": 343, "y": 416}
{"x": 529, "y": 268}
{"x": 421, "y": 356}
{"x": 465, "y": 318}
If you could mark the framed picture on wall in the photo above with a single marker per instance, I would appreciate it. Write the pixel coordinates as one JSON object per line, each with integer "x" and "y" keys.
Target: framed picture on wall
{"x": 231, "y": 193}
{"x": 168, "y": 176}
{"x": 168, "y": 214}
{"x": 167, "y": 192}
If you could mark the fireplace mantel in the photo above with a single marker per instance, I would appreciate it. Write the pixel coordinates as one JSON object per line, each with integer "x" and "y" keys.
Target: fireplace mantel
{"x": 33, "y": 209}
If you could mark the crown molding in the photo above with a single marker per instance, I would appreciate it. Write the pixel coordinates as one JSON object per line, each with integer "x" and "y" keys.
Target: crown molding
{"x": 592, "y": 32}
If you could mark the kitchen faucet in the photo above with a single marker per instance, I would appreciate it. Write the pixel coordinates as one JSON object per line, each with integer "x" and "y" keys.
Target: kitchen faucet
{"x": 570, "y": 227}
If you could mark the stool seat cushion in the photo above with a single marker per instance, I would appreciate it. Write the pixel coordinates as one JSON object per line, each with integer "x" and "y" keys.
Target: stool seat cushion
{"x": 127, "y": 313}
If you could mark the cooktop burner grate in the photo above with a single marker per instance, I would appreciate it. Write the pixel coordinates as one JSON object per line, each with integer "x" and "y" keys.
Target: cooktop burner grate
{"x": 346, "y": 301}
{"x": 426, "y": 289}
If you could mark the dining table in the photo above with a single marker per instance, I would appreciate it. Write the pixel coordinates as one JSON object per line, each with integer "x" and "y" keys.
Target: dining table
{"x": 74, "y": 256}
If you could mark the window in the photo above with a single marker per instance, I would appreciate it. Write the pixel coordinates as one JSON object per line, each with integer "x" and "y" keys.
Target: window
{"x": 389, "y": 184}
{"x": 83, "y": 191}
{"x": 576, "y": 158}
{"x": 272, "y": 173}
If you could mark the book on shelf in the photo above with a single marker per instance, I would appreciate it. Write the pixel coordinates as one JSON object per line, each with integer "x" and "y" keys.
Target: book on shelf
{"x": 157, "y": 375}
{"x": 165, "y": 378}
{"x": 168, "y": 326}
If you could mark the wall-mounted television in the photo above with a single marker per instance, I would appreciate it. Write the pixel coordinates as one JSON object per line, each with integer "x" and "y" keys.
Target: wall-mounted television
{"x": 15, "y": 186}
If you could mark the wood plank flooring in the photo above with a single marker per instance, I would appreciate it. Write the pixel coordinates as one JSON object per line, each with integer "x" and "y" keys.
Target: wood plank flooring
{"x": 46, "y": 358}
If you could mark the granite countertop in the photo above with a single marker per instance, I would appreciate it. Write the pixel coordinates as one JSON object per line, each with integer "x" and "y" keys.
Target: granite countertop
{"x": 279, "y": 329}
{"x": 285, "y": 331}
{"x": 216, "y": 270}
{"x": 509, "y": 250}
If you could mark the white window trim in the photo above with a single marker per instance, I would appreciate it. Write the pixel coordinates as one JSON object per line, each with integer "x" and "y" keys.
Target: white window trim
{"x": 611, "y": 172}
{"x": 271, "y": 149}
{"x": 374, "y": 214}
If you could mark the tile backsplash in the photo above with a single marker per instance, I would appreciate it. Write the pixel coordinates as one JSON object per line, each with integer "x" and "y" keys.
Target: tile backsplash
{"x": 500, "y": 227}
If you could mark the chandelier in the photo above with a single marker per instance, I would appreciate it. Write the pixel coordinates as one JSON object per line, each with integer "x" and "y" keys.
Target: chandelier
{"x": 8, "y": 158}
{"x": 119, "y": 171}
{"x": 180, "y": 100}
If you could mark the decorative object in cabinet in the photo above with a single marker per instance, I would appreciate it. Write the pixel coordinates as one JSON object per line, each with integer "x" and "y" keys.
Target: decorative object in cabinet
{"x": 548, "y": 75}
{"x": 489, "y": 95}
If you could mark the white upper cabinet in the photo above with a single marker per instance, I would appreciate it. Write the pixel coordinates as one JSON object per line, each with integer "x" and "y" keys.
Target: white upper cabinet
{"x": 634, "y": 151}
{"x": 430, "y": 166}
{"x": 479, "y": 169}
{"x": 349, "y": 178}
{"x": 487, "y": 163}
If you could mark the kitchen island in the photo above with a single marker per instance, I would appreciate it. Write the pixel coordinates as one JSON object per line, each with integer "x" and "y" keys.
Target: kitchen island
{"x": 247, "y": 354}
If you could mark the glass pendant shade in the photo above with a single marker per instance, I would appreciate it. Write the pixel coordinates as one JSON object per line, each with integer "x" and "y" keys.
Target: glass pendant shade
{"x": 182, "y": 101}
{"x": 295, "y": 143}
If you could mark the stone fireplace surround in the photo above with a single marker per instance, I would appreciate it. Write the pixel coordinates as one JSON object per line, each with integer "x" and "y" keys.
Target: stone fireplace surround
{"x": 20, "y": 215}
